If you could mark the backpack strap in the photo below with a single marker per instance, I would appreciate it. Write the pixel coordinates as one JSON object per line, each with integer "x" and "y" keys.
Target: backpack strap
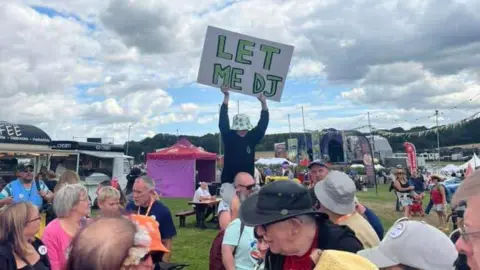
{"x": 242, "y": 226}
{"x": 37, "y": 183}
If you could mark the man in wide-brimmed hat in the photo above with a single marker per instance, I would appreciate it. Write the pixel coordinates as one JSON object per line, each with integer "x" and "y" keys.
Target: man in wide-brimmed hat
{"x": 282, "y": 214}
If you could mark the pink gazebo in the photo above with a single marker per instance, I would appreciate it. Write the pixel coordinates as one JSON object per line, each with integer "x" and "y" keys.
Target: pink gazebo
{"x": 173, "y": 169}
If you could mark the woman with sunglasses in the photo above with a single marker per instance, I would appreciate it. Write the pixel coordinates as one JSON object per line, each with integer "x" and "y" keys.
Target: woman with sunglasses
{"x": 404, "y": 191}
{"x": 19, "y": 249}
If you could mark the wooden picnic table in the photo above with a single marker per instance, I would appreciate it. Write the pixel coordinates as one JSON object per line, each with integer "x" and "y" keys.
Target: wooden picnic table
{"x": 201, "y": 207}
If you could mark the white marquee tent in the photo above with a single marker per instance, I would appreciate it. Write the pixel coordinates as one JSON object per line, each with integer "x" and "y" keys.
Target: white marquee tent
{"x": 273, "y": 161}
{"x": 475, "y": 161}
{"x": 450, "y": 168}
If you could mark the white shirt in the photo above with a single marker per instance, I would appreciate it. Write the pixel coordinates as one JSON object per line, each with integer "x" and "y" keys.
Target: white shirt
{"x": 257, "y": 177}
{"x": 200, "y": 193}
{"x": 60, "y": 170}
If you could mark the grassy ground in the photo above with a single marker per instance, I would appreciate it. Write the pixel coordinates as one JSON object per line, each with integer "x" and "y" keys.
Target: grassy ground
{"x": 192, "y": 245}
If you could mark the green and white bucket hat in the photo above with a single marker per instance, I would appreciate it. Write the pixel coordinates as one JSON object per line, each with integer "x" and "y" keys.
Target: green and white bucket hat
{"x": 241, "y": 122}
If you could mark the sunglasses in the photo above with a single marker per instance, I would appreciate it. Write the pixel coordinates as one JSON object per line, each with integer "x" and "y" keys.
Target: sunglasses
{"x": 249, "y": 187}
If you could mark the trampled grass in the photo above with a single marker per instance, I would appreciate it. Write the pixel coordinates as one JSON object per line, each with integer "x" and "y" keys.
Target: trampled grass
{"x": 192, "y": 245}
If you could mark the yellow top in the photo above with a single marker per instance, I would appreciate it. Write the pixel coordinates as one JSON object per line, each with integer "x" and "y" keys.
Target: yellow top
{"x": 341, "y": 260}
{"x": 363, "y": 230}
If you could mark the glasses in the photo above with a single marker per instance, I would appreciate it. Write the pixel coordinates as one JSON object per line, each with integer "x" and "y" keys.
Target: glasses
{"x": 466, "y": 233}
{"x": 249, "y": 187}
{"x": 35, "y": 219}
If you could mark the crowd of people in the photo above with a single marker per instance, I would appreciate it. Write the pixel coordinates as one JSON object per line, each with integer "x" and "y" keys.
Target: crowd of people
{"x": 124, "y": 234}
{"x": 280, "y": 225}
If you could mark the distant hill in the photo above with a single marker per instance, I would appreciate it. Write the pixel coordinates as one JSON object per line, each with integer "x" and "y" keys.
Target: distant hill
{"x": 468, "y": 133}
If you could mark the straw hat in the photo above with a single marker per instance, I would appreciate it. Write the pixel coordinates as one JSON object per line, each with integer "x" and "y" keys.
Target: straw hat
{"x": 341, "y": 260}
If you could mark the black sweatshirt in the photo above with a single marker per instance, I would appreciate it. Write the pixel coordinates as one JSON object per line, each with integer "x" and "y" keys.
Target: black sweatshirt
{"x": 239, "y": 151}
{"x": 330, "y": 236}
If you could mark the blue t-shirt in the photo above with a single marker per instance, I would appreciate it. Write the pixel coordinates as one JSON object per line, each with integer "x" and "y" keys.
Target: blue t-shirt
{"x": 246, "y": 256}
{"x": 20, "y": 193}
{"x": 162, "y": 215}
{"x": 374, "y": 221}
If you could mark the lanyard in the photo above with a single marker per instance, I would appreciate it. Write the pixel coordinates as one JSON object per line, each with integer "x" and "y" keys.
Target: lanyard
{"x": 342, "y": 218}
{"x": 148, "y": 209}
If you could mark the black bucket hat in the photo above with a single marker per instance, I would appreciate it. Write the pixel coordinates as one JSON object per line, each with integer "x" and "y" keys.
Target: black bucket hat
{"x": 275, "y": 202}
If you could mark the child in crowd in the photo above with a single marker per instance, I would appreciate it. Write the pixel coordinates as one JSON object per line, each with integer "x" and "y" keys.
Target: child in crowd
{"x": 416, "y": 209}
{"x": 108, "y": 200}
{"x": 439, "y": 200}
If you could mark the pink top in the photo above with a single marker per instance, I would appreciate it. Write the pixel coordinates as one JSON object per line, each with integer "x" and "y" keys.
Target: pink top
{"x": 57, "y": 242}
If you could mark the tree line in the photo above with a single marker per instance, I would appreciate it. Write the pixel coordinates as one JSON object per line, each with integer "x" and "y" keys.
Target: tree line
{"x": 466, "y": 133}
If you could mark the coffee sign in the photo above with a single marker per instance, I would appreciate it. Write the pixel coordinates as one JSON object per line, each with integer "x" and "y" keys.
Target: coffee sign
{"x": 22, "y": 134}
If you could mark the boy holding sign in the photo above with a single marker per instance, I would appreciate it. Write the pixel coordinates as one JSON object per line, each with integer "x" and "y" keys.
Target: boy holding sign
{"x": 240, "y": 141}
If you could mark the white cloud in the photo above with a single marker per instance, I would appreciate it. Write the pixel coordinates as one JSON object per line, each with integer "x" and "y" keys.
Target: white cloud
{"x": 137, "y": 50}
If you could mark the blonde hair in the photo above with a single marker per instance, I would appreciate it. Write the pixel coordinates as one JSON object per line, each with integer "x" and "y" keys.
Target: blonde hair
{"x": 108, "y": 192}
{"x": 13, "y": 220}
{"x": 68, "y": 177}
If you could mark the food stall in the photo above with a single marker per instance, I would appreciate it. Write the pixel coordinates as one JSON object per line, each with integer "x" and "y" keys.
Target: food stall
{"x": 22, "y": 142}
{"x": 94, "y": 162}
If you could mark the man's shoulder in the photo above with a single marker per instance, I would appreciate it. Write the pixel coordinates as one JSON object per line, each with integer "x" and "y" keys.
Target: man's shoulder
{"x": 332, "y": 232}
{"x": 159, "y": 206}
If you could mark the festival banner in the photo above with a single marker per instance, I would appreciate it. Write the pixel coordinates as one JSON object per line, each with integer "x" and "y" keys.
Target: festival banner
{"x": 316, "y": 145}
{"x": 368, "y": 161}
{"x": 280, "y": 150}
{"x": 411, "y": 156}
{"x": 292, "y": 149}
{"x": 248, "y": 65}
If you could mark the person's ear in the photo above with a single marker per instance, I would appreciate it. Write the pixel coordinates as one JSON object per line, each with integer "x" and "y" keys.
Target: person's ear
{"x": 295, "y": 225}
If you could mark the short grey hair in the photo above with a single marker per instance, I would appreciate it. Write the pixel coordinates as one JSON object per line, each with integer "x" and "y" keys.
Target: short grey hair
{"x": 148, "y": 181}
{"x": 67, "y": 198}
{"x": 308, "y": 219}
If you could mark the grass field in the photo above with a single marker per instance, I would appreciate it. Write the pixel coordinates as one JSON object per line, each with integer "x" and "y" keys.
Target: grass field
{"x": 192, "y": 245}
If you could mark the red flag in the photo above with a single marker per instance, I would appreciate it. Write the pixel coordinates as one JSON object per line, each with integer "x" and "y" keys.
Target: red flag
{"x": 411, "y": 156}
{"x": 469, "y": 170}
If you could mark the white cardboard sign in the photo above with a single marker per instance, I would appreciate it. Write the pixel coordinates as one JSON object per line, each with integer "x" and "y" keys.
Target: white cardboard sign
{"x": 248, "y": 65}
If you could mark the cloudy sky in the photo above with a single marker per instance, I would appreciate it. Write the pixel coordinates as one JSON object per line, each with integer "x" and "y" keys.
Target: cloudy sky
{"x": 92, "y": 68}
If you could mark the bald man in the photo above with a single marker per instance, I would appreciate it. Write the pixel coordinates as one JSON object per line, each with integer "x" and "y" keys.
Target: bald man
{"x": 244, "y": 187}
{"x": 469, "y": 242}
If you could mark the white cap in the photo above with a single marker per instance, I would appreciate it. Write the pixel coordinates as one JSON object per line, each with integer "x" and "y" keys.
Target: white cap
{"x": 415, "y": 244}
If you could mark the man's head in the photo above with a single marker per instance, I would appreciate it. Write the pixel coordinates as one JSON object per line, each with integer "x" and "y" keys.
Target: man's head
{"x": 469, "y": 243}
{"x": 317, "y": 171}
{"x": 244, "y": 185}
{"x": 285, "y": 165}
{"x": 143, "y": 190}
{"x": 241, "y": 124}
{"x": 204, "y": 185}
{"x": 336, "y": 194}
{"x": 283, "y": 215}
{"x": 28, "y": 174}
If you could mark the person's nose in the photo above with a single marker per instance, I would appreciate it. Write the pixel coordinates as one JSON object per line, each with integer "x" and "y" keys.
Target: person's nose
{"x": 462, "y": 246}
